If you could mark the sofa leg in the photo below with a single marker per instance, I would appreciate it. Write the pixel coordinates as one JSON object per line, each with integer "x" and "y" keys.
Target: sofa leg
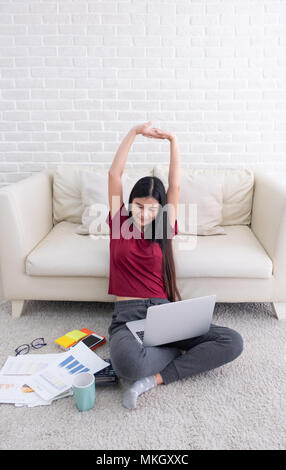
{"x": 280, "y": 310}
{"x": 17, "y": 306}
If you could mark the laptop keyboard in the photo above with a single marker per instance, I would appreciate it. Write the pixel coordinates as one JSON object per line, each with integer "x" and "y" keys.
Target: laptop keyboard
{"x": 140, "y": 334}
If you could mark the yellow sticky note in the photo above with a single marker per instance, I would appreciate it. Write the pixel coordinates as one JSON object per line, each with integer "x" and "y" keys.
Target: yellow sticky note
{"x": 76, "y": 335}
{"x": 64, "y": 341}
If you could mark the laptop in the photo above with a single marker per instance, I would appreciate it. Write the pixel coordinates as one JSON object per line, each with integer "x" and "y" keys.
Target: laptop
{"x": 174, "y": 321}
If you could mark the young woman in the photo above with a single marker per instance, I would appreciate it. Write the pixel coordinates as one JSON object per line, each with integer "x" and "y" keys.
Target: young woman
{"x": 142, "y": 273}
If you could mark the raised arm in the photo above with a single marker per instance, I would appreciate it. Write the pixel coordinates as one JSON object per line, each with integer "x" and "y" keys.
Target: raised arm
{"x": 115, "y": 191}
{"x": 174, "y": 178}
{"x": 119, "y": 161}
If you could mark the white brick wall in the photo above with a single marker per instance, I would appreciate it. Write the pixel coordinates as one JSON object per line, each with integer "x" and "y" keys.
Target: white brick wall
{"x": 76, "y": 75}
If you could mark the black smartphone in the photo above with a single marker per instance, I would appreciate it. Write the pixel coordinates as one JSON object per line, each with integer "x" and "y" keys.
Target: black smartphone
{"x": 92, "y": 341}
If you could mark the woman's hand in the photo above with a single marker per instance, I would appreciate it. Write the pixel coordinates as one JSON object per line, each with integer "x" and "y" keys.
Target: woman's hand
{"x": 161, "y": 134}
{"x": 153, "y": 132}
{"x": 143, "y": 129}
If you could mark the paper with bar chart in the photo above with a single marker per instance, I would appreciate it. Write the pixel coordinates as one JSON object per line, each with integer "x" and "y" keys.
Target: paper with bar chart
{"x": 59, "y": 376}
{"x": 28, "y": 364}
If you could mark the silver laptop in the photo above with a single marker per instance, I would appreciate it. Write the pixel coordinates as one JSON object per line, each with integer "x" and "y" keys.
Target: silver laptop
{"x": 174, "y": 321}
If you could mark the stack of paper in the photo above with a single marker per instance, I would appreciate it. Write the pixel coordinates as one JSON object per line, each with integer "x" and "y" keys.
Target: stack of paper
{"x": 38, "y": 379}
{"x": 15, "y": 374}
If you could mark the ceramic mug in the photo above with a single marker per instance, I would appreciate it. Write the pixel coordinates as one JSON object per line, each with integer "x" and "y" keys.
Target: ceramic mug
{"x": 84, "y": 391}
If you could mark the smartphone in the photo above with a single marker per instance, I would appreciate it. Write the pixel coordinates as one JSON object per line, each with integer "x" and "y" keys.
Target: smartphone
{"x": 93, "y": 341}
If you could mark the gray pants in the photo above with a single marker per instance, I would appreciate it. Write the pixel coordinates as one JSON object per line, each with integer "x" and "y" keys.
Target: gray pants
{"x": 132, "y": 361}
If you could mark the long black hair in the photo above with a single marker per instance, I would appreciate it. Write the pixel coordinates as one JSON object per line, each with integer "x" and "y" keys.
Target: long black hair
{"x": 157, "y": 230}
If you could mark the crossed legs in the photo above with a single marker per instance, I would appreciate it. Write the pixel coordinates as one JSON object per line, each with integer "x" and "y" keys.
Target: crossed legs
{"x": 132, "y": 361}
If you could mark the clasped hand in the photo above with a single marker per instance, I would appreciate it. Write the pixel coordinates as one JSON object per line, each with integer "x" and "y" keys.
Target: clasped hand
{"x": 152, "y": 132}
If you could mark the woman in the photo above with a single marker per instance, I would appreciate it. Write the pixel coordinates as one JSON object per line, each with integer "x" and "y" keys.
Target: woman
{"x": 142, "y": 273}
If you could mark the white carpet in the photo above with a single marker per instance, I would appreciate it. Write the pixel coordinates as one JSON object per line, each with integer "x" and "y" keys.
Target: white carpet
{"x": 241, "y": 405}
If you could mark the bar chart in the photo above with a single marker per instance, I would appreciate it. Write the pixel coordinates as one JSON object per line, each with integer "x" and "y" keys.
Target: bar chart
{"x": 73, "y": 366}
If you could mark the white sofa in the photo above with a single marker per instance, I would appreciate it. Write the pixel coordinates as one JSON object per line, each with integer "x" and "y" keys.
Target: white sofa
{"x": 42, "y": 259}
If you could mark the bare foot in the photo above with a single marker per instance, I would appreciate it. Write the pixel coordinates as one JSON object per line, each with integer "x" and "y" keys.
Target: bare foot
{"x": 159, "y": 379}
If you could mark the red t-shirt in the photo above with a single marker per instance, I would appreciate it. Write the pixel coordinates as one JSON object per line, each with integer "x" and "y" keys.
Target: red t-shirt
{"x": 135, "y": 262}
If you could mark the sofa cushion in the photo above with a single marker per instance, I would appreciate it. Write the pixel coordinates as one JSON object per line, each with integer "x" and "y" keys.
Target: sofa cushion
{"x": 94, "y": 196}
{"x": 200, "y": 204}
{"x": 65, "y": 253}
{"x": 238, "y": 185}
{"x": 67, "y": 187}
{"x": 237, "y": 254}
{"x": 67, "y": 204}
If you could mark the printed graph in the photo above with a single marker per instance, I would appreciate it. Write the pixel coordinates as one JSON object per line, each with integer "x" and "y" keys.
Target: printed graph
{"x": 73, "y": 366}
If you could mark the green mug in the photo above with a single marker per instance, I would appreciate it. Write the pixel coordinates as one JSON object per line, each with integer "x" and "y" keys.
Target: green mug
{"x": 84, "y": 391}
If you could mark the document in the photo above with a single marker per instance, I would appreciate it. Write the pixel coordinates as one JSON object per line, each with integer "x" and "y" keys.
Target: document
{"x": 12, "y": 389}
{"x": 13, "y": 378}
{"x": 58, "y": 376}
{"x": 28, "y": 364}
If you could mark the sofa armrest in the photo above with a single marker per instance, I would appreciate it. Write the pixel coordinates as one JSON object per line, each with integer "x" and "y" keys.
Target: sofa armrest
{"x": 26, "y": 217}
{"x": 268, "y": 221}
